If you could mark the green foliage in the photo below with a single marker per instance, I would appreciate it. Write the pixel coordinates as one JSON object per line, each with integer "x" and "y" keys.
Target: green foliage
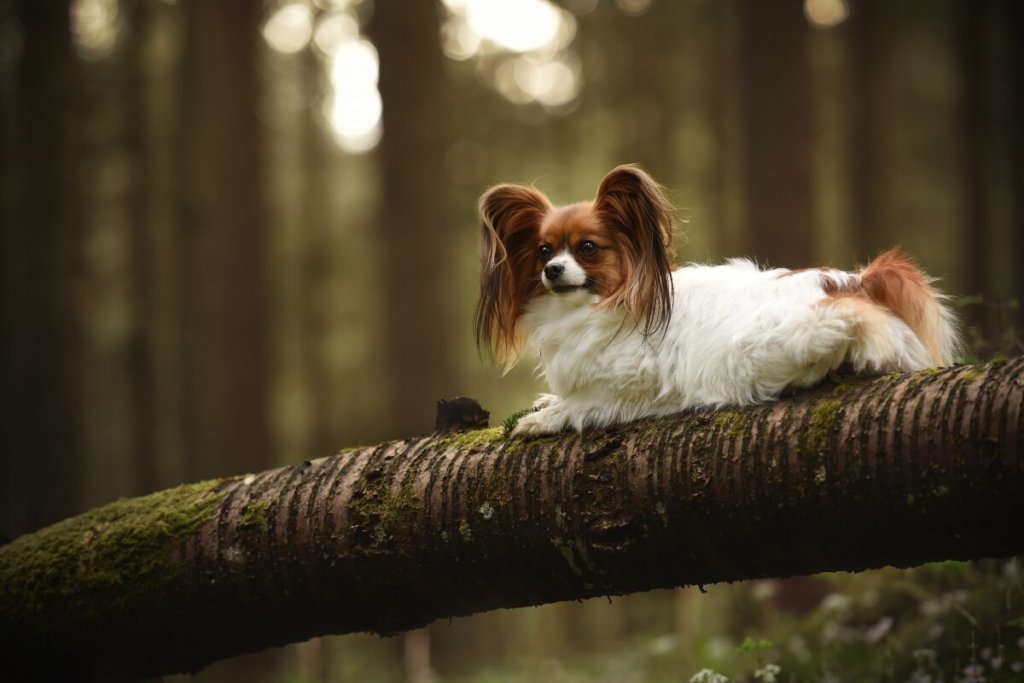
{"x": 951, "y": 621}
{"x": 945, "y": 621}
{"x": 750, "y": 644}
{"x": 510, "y": 422}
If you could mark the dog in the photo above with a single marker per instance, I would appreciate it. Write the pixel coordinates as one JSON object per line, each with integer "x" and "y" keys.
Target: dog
{"x": 624, "y": 334}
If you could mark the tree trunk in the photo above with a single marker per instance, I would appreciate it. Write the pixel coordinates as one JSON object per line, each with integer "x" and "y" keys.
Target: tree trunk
{"x": 40, "y": 276}
{"x": 897, "y": 470}
{"x": 417, "y": 233}
{"x": 223, "y": 240}
{"x": 869, "y": 36}
{"x": 777, "y": 130}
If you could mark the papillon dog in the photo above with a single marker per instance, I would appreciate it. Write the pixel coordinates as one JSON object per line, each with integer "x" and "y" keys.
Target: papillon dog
{"x": 623, "y": 334}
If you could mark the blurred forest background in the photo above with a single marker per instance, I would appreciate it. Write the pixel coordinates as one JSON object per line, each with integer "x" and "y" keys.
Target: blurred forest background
{"x": 239, "y": 234}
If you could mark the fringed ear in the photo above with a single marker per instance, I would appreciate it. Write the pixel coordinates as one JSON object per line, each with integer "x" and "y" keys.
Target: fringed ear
{"x": 510, "y": 218}
{"x": 630, "y": 202}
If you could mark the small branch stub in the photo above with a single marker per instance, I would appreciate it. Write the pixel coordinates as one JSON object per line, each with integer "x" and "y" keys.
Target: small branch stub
{"x": 460, "y": 414}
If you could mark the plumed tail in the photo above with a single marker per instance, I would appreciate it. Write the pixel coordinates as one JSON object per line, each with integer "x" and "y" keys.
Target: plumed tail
{"x": 896, "y": 281}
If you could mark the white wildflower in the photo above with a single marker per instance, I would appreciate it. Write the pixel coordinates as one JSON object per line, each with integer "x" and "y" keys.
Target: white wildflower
{"x": 768, "y": 673}
{"x": 763, "y": 590}
{"x": 879, "y": 630}
{"x": 974, "y": 673}
{"x": 708, "y": 676}
{"x": 836, "y": 602}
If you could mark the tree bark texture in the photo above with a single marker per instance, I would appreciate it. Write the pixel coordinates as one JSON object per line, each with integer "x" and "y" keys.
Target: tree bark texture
{"x": 897, "y": 470}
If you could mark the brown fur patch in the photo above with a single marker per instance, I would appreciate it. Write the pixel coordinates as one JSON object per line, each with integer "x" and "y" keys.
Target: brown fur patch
{"x": 634, "y": 207}
{"x": 895, "y": 282}
{"x": 510, "y": 222}
{"x": 567, "y": 228}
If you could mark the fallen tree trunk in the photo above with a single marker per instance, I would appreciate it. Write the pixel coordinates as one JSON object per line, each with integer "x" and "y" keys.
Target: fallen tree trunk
{"x": 897, "y": 470}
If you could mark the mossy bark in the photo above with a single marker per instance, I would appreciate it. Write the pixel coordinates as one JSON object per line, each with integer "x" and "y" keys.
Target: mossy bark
{"x": 897, "y": 470}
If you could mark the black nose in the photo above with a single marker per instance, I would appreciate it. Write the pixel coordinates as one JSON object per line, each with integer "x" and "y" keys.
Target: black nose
{"x": 553, "y": 271}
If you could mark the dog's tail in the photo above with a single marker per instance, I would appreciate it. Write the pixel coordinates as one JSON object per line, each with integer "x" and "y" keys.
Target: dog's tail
{"x": 896, "y": 281}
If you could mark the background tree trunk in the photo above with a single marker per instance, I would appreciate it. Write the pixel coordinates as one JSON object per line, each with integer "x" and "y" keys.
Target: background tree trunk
{"x": 777, "y": 131}
{"x": 897, "y": 470}
{"x": 417, "y": 274}
{"x": 41, "y": 269}
{"x": 223, "y": 240}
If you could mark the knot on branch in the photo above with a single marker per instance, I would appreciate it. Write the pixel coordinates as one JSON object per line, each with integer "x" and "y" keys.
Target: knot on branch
{"x": 460, "y": 414}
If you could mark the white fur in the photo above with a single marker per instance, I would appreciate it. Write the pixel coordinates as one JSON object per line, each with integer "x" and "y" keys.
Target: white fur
{"x": 737, "y": 335}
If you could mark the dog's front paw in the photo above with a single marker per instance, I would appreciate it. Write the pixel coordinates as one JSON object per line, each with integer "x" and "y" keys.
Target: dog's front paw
{"x": 544, "y": 421}
{"x": 545, "y": 401}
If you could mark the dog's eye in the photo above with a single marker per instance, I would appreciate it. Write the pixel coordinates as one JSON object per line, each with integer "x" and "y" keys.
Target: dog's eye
{"x": 586, "y": 248}
{"x": 545, "y": 251}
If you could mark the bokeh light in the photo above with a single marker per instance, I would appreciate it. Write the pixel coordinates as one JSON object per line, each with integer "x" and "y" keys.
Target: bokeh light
{"x": 351, "y": 107}
{"x": 517, "y": 26}
{"x": 95, "y": 27}
{"x": 553, "y": 83}
{"x": 334, "y": 30}
{"x": 289, "y": 28}
{"x": 526, "y": 44}
{"x": 459, "y": 41}
{"x": 826, "y": 13}
{"x": 354, "y": 109}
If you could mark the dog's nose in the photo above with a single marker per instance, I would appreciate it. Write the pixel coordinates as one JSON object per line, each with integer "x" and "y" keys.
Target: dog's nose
{"x": 553, "y": 271}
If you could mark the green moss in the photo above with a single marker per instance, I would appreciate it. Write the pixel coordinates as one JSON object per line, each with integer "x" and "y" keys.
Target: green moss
{"x": 846, "y": 384}
{"x": 471, "y": 440}
{"x": 824, "y": 416}
{"x": 971, "y": 374}
{"x": 515, "y": 446}
{"x": 380, "y": 515}
{"x": 254, "y": 516}
{"x": 919, "y": 377}
{"x": 892, "y": 376}
{"x": 733, "y": 423}
{"x": 841, "y": 389}
{"x": 106, "y": 556}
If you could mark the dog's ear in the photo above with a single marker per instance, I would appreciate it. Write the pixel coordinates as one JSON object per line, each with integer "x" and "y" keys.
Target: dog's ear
{"x": 632, "y": 204}
{"x": 510, "y": 218}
